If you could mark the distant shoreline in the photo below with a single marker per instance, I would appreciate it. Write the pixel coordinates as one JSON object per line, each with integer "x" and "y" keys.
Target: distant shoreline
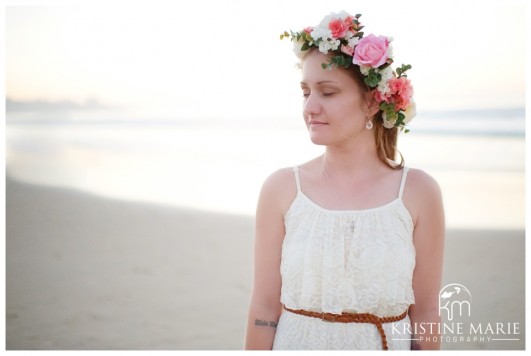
{"x": 508, "y": 122}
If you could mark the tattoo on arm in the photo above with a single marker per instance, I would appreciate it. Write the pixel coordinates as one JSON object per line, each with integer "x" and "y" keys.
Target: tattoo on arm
{"x": 259, "y": 322}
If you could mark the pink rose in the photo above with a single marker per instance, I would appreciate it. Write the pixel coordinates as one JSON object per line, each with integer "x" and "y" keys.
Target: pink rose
{"x": 347, "y": 50}
{"x": 401, "y": 86}
{"x": 401, "y": 103}
{"x": 401, "y": 91}
{"x": 352, "y": 26}
{"x": 308, "y": 29}
{"x": 339, "y": 28}
{"x": 349, "y": 23}
{"x": 371, "y": 51}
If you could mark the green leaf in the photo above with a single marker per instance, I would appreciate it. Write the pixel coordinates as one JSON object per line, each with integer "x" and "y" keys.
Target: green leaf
{"x": 370, "y": 81}
{"x": 373, "y": 78}
{"x": 402, "y": 69}
{"x": 346, "y": 62}
{"x": 400, "y": 119}
{"x": 305, "y": 46}
{"x": 389, "y": 109}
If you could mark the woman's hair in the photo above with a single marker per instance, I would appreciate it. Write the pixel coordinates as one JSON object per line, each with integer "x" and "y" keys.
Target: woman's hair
{"x": 385, "y": 139}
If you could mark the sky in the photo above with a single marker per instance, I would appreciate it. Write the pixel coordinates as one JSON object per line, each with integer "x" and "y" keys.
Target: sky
{"x": 221, "y": 58}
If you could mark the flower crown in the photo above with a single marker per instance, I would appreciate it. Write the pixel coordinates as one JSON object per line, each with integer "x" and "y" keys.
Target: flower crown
{"x": 341, "y": 34}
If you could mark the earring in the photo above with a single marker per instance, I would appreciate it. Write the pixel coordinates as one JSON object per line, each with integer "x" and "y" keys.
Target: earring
{"x": 369, "y": 125}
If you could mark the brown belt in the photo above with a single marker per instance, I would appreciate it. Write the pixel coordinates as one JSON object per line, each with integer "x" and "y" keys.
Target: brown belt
{"x": 353, "y": 318}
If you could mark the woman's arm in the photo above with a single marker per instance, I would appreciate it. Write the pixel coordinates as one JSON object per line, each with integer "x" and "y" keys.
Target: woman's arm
{"x": 265, "y": 306}
{"x": 428, "y": 238}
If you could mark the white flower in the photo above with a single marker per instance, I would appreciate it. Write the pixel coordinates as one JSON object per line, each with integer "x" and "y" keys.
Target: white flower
{"x": 327, "y": 45}
{"x": 349, "y": 35}
{"x": 326, "y": 20}
{"x": 353, "y": 41}
{"x": 383, "y": 87}
{"x": 387, "y": 74}
{"x": 324, "y": 47}
{"x": 321, "y": 33}
{"x": 410, "y": 112}
{"x": 388, "y": 124}
{"x": 365, "y": 70}
{"x": 389, "y": 49}
{"x": 333, "y": 16}
{"x": 340, "y": 15}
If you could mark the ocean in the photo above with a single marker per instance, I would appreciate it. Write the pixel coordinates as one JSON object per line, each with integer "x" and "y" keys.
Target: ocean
{"x": 478, "y": 158}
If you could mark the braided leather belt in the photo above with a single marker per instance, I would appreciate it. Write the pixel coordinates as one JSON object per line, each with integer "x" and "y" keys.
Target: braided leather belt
{"x": 353, "y": 318}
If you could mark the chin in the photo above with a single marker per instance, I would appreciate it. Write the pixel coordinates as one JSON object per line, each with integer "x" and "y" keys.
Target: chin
{"x": 319, "y": 140}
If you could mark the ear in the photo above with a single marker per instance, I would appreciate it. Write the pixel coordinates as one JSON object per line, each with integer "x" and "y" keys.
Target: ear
{"x": 373, "y": 105}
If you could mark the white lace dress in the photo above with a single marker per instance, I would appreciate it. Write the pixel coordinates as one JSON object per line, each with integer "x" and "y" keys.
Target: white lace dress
{"x": 334, "y": 261}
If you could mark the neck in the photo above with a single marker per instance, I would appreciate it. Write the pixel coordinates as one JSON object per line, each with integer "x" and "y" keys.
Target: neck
{"x": 359, "y": 157}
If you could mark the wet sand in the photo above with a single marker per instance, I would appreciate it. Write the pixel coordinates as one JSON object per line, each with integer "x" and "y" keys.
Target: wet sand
{"x": 90, "y": 273}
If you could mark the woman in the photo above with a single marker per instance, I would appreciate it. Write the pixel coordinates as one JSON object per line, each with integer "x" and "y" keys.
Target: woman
{"x": 348, "y": 246}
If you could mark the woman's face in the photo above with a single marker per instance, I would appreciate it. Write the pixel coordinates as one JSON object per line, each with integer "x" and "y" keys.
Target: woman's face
{"x": 334, "y": 107}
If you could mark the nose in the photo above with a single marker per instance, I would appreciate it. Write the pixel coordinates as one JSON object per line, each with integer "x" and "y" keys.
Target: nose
{"x": 311, "y": 105}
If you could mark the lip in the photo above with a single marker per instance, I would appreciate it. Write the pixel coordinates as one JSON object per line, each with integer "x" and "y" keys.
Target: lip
{"x": 317, "y": 123}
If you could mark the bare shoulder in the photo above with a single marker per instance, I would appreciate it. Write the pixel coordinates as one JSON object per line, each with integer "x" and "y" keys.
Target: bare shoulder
{"x": 422, "y": 194}
{"x": 420, "y": 183}
{"x": 279, "y": 189}
{"x": 280, "y": 180}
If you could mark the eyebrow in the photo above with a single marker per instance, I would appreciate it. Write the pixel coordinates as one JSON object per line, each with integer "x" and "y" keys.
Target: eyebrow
{"x": 322, "y": 82}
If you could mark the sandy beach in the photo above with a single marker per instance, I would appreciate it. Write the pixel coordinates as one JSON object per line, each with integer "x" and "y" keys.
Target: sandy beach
{"x": 90, "y": 273}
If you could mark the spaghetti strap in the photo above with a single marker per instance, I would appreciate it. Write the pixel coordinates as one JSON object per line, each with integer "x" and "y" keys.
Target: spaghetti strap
{"x": 403, "y": 182}
{"x": 297, "y": 179}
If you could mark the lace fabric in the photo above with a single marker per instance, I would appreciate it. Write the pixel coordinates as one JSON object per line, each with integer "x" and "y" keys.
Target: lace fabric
{"x": 334, "y": 261}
